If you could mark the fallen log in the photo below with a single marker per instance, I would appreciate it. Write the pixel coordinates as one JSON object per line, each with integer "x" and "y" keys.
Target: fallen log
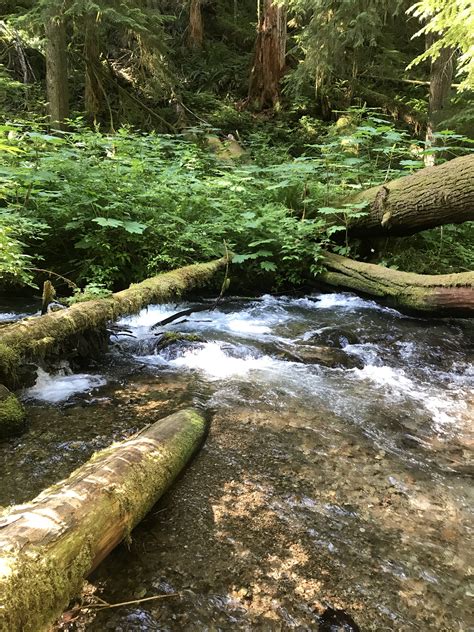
{"x": 36, "y": 338}
{"x": 444, "y": 294}
{"x": 430, "y": 197}
{"x": 48, "y": 546}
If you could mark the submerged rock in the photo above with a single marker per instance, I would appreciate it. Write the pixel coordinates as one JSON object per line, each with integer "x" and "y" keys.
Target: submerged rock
{"x": 174, "y": 343}
{"x": 326, "y": 356}
{"x": 12, "y": 414}
{"x": 333, "y": 337}
{"x": 171, "y": 338}
{"x": 337, "y": 621}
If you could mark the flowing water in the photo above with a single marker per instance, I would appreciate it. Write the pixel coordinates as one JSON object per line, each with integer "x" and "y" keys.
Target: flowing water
{"x": 342, "y": 482}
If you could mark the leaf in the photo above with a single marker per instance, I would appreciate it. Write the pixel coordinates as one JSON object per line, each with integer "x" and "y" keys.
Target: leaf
{"x": 268, "y": 266}
{"x": 106, "y": 221}
{"x": 278, "y": 185}
{"x": 240, "y": 258}
{"x": 328, "y": 210}
{"x": 134, "y": 227}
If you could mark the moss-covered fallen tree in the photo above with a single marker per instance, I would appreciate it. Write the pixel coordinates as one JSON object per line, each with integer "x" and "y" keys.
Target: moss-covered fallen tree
{"x": 34, "y": 339}
{"x": 443, "y": 294}
{"x": 430, "y": 197}
{"x": 49, "y": 545}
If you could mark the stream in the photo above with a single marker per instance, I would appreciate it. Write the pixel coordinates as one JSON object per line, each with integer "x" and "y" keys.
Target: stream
{"x": 336, "y": 474}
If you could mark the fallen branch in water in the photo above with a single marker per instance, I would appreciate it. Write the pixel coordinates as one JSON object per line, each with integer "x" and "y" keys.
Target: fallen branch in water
{"x": 184, "y": 312}
{"x": 104, "y": 605}
{"x": 200, "y": 308}
{"x": 48, "y": 546}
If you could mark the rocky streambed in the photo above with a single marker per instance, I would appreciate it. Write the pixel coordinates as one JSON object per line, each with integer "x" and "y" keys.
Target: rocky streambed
{"x": 336, "y": 473}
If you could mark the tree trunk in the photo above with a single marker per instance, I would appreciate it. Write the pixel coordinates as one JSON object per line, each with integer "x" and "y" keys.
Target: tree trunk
{"x": 93, "y": 94}
{"x": 56, "y": 70}
{"x": 430, "y": 197}
{"x": 196, "y": 27}
{"x": 269, "y": 56}
{"x": 48, "y": 546}
{"x": 54, "y": 334}
{"x": 444, "y": 294}
{"x": 441, "y": 76}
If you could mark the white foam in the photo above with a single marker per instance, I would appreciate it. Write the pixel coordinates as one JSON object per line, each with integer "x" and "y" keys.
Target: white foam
{"x": 247, "y": 326}
{"x": 347, "y": 301}
{"x": 445, "y": 408}
{"x": 217, "y": 365}
{"x": 10, "y": 316}
{"x": 58, "y": 388}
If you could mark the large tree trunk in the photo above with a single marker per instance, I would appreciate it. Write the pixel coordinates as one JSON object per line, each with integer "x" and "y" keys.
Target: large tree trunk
{"x": 269, "y": 57}
{"x": 444, "y": 294}
{"x": 93, "y": 91}
{"x": 196, "y": 27}
{"x": 56, "y": 70}
{"x": 54, "y": 334}
{"x": 430, "y": 197}
{"x": 441, "y": 76}
{"x": 48, "y": 546}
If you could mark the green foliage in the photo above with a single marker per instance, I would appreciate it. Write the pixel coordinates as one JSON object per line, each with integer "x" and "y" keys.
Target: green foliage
{"x": 13, "y": 263}
{"x": 338, "y": 42}
{"x": 452, "y": 23}
{"x": 441, "y": 250}
{"x": 106, "y": 210}
{"x": 90, "y": 292}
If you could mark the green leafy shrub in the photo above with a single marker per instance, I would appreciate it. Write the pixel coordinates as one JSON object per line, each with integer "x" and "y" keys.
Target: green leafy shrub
{"x": 108, "y": 210}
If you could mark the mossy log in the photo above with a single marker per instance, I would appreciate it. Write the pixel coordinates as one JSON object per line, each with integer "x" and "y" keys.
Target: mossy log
{"x": 430, "y": 197}
{"x": 48, "y": 546}
{"x": 444, "y": 294}
{"x": 36, "y": 338}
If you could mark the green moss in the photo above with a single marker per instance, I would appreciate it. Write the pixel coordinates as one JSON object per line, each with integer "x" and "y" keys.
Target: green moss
{"x": 174, "y": 337}
{"x": 38, "y": 580}
{"x": 12, "y": 416}
{"x": 9, "y": 359}
{"x": 54, "y": 333}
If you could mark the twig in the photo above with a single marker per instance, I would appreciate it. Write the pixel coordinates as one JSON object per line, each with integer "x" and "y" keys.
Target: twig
{"x": 59, "y": 276}
{"x": 105, "y": 605}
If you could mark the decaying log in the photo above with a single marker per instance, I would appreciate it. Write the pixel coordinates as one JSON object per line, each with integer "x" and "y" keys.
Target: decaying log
{"x": 48, "y": 546}
{"x": 35, "y": 338}
{"x": 430, "y": 197}
{"x": 444, "y": 294}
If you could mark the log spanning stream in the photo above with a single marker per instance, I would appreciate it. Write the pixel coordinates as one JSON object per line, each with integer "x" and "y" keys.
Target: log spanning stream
{"x": 336, "y": 471}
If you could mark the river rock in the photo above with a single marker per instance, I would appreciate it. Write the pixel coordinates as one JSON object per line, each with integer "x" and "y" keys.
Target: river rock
{"x": 12, "y": 414}
{"x": 333, "y": 337}
{"x": 175, "y": 342}
{"x": 326, "y": 356}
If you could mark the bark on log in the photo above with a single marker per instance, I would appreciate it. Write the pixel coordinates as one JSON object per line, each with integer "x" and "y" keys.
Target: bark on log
{"x": 430, "y": 197}
{"x": 37, "y": 337}
{"x": 48, "y": 546}
{"x": 444, "y": 294}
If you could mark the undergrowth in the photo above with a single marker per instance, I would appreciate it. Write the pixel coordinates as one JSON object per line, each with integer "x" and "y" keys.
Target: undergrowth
{"x": 107, "y": 210}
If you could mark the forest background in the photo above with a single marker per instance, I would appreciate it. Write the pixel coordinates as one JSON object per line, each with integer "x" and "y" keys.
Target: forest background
{"x": 142, "y": 135}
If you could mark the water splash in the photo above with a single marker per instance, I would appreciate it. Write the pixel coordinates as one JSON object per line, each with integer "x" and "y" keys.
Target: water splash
{"x": 59, "y": 388}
